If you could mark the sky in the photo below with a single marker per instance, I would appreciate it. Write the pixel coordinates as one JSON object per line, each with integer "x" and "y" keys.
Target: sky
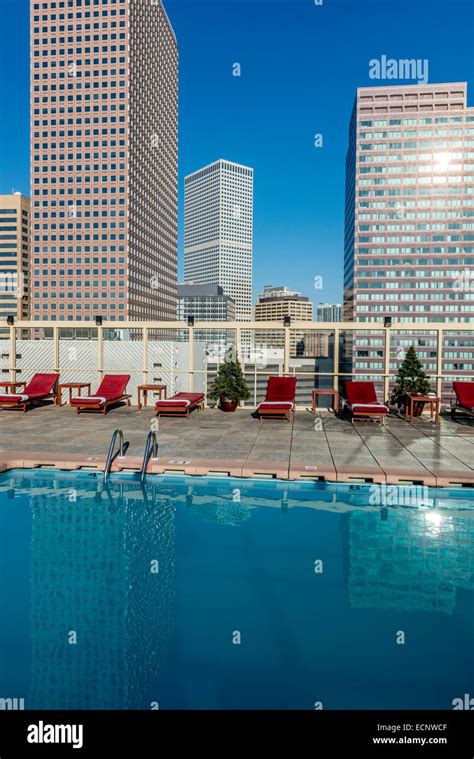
{"x": 300, "y": 66}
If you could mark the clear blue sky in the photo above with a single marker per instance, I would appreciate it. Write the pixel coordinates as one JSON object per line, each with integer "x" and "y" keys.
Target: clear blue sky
{"x": 300, "y": 67}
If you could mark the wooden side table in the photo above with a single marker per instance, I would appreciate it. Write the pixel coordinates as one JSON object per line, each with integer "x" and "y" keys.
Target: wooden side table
{"x": 326, "y": 391}
{"x": 434, "y": 402}
{"x": 11, "y": 387}
{"x": 144, "y": 389}
{"x": 71, "y": 386}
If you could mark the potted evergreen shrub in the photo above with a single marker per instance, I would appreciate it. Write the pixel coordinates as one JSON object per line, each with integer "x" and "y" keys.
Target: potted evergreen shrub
{"x": 229, "y": 387}
{"x": 411, "y": 380}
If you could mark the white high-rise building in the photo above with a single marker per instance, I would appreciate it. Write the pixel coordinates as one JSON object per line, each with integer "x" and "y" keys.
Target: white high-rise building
{"x": 329, "y": 312}
{"x": 218, "y": 231}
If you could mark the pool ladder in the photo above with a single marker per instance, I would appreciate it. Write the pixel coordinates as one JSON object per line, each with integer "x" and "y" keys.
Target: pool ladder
{"x": 110, "y": 454}
{"x": 151, "y": 452}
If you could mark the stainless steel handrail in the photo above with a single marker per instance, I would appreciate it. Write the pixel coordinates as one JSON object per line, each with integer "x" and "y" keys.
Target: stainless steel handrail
{"x": 110, "y": 454}
{"x": 151, "y": 451}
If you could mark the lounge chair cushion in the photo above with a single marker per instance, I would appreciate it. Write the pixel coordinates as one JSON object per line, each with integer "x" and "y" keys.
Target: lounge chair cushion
{"x": 280, "y": 396}
{"x": 173, "y": 402}
{"x": 360, "y": 392}
{"x": 181, "y": 399}
{"x": 276, "y": 405}
{"x": 89, "y": 400}
{"x": 41, "y": 385}
{"x": 464, "y": 394}
{"x": 280, "y": 389}
{"x": 369, "y": 408}
{"x": 113, "y": 386}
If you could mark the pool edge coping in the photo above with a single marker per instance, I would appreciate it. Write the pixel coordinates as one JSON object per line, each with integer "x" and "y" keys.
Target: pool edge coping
{"x": 240, "y": 468}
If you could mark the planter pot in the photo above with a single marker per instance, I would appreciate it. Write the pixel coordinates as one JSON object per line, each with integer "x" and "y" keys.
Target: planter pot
{"x": 418, "y": 407}
{"x": 227, "y": 405}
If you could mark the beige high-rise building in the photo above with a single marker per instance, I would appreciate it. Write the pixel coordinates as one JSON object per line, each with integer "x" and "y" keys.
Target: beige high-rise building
{"x": 273, "y": 304}
{"x": 409, "y": 243}
{"x": 14, "y": 255}
{"x": 104, "y": 155}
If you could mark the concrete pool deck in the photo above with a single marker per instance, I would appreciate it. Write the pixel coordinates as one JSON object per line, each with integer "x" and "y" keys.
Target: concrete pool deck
{"x": 324, "y": 447}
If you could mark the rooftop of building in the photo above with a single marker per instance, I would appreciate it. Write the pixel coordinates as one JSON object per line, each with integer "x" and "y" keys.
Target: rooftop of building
{"x": 188, "y": 290}
{"x": 238, "y": 444}
{"x": 317, "y": 445}
{"x": 283, "y": 297}
{"x": 279, "y": 293}
{"x": 433, "y": 86}
{"x": 216, "y": 164}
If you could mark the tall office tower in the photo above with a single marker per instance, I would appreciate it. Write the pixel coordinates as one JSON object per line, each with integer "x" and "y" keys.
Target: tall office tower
{"x": 218, "y": 231}
{"x": 14, "y": 255}
{"x": 104, "y": 144}
{"x": 329, "y": 312}
{"x": 409, "y": 243}
{"x": 273, "y": 304}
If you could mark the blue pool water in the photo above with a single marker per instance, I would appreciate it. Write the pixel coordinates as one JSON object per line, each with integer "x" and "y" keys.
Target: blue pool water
{"x": 202, "y": 593}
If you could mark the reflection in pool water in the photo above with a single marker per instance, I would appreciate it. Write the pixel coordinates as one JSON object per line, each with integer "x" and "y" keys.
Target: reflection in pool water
{"x": 206, "y": 593}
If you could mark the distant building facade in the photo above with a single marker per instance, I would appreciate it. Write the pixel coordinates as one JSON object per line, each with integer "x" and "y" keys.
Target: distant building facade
{"x": 409, "y": 242}
{"x": 329, "y": 312}
{"x": 273, "y": 304}
{"x": 316, "y": 344}
{"x": 14, "y": 256}
{"x": 206, "y": 303}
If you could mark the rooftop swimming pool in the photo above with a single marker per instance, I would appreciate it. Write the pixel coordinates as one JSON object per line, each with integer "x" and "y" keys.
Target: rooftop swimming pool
{"x": 203, "y": 593}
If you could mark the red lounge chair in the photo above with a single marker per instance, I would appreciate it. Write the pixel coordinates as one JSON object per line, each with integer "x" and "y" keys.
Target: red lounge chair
{"x": 279, "y": 400}
{"x": 362, "y": 401}
{"x": 40, "y": 387}
{"x": 464, "y": 398}
{"x": 111, "y": 390}
{"x": 179, "y": 404}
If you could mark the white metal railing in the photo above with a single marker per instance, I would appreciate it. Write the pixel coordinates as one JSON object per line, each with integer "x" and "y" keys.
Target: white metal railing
{"x": 144, "y": 333}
